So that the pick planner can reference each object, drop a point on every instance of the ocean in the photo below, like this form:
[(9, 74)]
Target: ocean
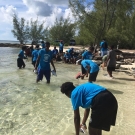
[(12, 42)]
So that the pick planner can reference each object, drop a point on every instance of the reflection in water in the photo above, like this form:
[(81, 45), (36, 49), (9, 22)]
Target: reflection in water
[(27, 108)]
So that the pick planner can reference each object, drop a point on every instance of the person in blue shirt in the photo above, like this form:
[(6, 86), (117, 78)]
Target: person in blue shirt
[(67, 57), (55, 52), (102, 102), (44, 59), (42, 44), (103, 47), (71, 51), (90, 67), (88, 54), (61, 47), (21, 56), (35, 55)]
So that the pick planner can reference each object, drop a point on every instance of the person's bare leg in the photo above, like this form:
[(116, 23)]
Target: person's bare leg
[(37, 80), (94, 131), (48, 81), (87, 74), (110, 73), (103, 66)]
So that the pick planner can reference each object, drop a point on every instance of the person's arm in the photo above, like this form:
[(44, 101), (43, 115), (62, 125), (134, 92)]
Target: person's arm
[(77, 121), (108, 57), (57, 51), (37, 62), (85, 117), (53, 65), (19, 55), (83, 56), (88, 69)]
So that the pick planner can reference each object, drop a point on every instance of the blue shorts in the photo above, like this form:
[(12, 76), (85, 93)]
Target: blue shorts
[(46, 73)]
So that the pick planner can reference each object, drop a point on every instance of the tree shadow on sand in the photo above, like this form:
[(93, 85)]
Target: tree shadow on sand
[(116, 91)]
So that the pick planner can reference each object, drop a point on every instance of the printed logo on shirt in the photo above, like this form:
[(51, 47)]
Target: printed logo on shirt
[(46, 57)]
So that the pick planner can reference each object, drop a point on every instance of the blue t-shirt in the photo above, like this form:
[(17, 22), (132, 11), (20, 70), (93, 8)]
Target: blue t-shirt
[(93, 66), (83, 94), (61, 46), (87, 55), (70, 50), (21, 54), (54, 51), (102, 48), (43, 45), (67, 56), (35, 54), (45, 59)]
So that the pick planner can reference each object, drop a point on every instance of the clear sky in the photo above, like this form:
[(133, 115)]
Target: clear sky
[(46, 10)]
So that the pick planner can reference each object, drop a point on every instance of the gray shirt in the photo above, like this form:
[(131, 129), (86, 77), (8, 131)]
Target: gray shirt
[(112, 59)]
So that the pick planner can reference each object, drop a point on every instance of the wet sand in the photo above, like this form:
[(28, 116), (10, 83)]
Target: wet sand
[(27, 108)]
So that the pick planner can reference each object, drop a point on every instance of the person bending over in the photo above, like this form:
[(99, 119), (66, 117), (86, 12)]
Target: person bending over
[(91, 68), (102, 102)]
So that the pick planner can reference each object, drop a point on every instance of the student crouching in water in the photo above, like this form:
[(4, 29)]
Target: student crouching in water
[(45, 57), (101, 101), (91, 68)]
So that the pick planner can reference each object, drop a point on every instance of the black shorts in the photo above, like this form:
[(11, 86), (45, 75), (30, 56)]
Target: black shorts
[(110, 68), (20, 63), (104, 111), (93, 76), (83, 70)]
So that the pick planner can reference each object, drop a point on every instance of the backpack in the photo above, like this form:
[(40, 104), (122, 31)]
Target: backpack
[(104, 45)]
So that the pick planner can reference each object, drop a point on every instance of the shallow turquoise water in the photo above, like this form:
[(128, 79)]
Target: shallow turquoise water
[(30, 108), (27, 108)]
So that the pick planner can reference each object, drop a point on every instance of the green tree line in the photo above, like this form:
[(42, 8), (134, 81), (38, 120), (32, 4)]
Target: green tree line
[(110, 19)]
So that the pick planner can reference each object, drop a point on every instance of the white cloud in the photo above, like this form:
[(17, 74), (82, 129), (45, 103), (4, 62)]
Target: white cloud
[(45, 10), (38, 7), (56, 2), (6, 13)]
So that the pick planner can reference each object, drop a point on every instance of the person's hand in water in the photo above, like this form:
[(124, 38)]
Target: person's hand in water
[(83, 128)]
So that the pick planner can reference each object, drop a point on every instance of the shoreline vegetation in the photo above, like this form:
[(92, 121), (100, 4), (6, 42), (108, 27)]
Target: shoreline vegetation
[(77, 47)]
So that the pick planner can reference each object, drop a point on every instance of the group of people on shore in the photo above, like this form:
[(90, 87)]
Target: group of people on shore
[(88, 95)]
